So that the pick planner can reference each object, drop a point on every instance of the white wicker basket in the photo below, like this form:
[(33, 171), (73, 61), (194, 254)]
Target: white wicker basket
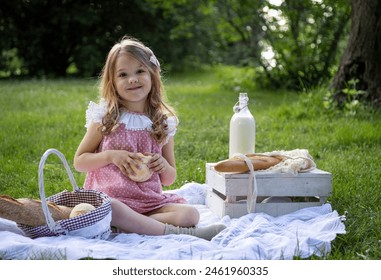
[(95, 224)]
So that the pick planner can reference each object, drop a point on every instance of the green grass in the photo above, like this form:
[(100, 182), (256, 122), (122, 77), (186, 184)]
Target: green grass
[(42, 114)]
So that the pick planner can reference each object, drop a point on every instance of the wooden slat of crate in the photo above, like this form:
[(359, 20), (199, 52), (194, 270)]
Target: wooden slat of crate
[(314, 183), (220, 207), (227, 187)]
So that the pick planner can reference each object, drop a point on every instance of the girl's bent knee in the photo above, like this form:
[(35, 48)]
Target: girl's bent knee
[(191, 217)]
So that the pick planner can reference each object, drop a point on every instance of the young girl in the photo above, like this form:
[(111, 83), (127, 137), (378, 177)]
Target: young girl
[(132, 118)]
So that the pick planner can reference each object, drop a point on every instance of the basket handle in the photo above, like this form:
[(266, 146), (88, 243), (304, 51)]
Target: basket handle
[(48, 216)]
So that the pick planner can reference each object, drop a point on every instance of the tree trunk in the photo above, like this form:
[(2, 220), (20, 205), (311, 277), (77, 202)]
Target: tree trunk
[(361, 60)]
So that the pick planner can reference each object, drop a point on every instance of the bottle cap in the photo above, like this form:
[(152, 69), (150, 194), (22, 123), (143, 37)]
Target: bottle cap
[(242, 99), (243, 95)]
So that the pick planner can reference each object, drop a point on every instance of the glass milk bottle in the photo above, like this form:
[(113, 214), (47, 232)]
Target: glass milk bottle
[(242, 128)]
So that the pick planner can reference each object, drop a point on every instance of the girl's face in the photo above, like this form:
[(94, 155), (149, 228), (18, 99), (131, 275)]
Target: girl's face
[(132, 81)]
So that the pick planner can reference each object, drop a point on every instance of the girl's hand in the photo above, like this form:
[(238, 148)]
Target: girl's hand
[(157, 163), (123, 160)]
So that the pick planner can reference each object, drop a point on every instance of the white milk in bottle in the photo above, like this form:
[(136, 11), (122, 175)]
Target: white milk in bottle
[(242, 128)]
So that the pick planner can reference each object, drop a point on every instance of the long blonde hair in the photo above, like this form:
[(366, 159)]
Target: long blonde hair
[(156, 108)]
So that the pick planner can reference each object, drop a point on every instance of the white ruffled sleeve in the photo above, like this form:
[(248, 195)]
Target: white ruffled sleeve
[(95, 112), (172, 122)]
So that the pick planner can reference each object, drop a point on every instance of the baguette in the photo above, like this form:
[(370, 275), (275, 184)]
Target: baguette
[(238, 165), (29, 211)]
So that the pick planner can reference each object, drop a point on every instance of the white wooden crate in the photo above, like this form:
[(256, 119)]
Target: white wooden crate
[(228, 192)]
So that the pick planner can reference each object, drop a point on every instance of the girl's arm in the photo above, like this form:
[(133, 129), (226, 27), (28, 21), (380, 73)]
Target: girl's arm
[(165, 165), (86, 159)]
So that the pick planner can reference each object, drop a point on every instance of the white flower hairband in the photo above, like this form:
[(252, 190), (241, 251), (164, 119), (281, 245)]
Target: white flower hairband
[(153, 59)]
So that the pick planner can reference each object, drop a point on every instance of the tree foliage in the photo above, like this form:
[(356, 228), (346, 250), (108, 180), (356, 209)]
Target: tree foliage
[(305, 39), (289, 43), (50, 35)]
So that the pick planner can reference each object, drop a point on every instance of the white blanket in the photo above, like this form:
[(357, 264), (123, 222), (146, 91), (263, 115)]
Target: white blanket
[(302, 234)]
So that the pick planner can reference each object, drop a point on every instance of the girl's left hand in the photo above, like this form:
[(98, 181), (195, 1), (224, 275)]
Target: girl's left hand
[(157, 163)]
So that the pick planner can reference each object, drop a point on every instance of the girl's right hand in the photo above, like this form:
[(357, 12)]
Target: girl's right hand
[(123, 160)]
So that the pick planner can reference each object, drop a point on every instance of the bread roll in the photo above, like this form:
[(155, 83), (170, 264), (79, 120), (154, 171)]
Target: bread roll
[(81, 209), (144, 173)]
